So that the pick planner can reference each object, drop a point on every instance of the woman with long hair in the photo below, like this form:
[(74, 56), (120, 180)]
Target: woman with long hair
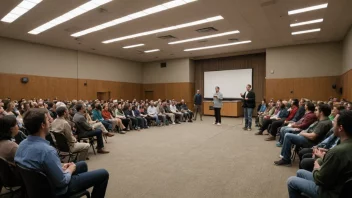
[(8, 130)]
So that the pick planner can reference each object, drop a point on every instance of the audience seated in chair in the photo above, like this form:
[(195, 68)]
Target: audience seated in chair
[(153, 113), (84, 130), (330, 173), (311, 137), (121, 115), (60, 125), (184, 109), (36, 153)]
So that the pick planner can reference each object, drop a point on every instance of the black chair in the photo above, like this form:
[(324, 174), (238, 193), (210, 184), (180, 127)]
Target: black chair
[(50, 139), (63, 147), (37, 185), (9, 176), (347, 189), (89, 140)]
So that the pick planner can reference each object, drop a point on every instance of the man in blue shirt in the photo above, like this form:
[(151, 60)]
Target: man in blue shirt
[(36, 153)]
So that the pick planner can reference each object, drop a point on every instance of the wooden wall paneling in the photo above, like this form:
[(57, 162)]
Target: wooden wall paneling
[(279, 89), (4, 85)]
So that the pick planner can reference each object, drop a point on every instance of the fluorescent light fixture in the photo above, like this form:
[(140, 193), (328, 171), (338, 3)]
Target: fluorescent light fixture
[(216, 46), (90, 5), (164, 29), (317, 7), (306, 22), (205, 37), (306, 31), (153, 50), (132, 46), (148, 11), (19, 10)]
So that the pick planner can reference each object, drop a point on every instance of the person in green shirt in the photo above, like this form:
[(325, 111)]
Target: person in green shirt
[(329, 175), (336, 110)]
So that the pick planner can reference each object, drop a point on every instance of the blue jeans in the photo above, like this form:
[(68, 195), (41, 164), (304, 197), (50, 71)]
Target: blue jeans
[(285, 130), (107, 124), (82, 180), (293, 139), (302, 183), (248, 117)]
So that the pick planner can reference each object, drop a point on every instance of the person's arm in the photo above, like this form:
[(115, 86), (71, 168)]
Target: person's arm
[(326, 175), (310, 136), (84, 124), (68, 133), (251, 96), (220, 97), (310, 119), (53, 168)]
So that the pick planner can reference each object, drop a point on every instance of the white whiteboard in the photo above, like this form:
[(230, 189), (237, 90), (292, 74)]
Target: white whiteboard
[(231, 82)]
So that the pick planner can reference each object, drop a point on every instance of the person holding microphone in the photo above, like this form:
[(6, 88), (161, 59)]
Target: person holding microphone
[(248, 106), (217, 100)]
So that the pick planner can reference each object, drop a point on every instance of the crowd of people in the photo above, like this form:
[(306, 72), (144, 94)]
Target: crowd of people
[(26, 124), (320, 133)]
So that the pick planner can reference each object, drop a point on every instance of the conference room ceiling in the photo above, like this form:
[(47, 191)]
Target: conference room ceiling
[(265, 23)]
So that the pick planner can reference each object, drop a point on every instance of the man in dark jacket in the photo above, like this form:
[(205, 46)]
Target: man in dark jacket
[(198, 105), (248, 106)]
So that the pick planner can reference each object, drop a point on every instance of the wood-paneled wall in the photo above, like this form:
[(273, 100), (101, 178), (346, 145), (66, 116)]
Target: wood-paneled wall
[(64, 88), (315, 88), (177, 91)]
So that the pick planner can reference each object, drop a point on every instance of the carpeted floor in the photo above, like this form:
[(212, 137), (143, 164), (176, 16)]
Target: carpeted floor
[(193, 160)]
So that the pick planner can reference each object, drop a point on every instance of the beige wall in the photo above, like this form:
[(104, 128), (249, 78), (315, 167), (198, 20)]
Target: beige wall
[(299, 61), (347, 52), (176, 71), (191, 70), (19, 57)]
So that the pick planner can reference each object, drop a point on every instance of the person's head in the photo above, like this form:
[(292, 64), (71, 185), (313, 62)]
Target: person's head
[(89, 108), (336, 110), (248, 87), (8, 127), (36, 122), (349, 107), (302, 102), (61, 111), (282, 106), (106, 107), (263, 101), (119, 106), (9, 106), (182, 101), (26, 106), (98, 106), (295, 102), (343, 125), (322, 111), (198, 92), (310, 107), (80, 108), (217, 88), (278, 103)]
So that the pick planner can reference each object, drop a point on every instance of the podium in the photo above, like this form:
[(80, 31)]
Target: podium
[(229, 108)]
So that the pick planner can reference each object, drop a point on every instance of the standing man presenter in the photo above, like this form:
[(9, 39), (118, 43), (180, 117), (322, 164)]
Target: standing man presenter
[(248, 106), (198, 105), (217, 100)]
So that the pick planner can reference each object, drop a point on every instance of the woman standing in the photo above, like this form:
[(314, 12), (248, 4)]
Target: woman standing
[(217, 100)]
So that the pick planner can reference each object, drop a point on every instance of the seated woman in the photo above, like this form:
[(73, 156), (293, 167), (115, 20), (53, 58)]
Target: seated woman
[(8, 130), (95, 124), (261, 110), (120, 114), (115, 121), (96, 115)]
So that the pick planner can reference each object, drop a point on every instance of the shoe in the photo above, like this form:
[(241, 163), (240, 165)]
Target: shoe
[(218, 123), (102, 151), (109, 134), (244, 128), (282, 162), (270, 138), (278, 144), (259, 133), (201, 119), (122, 132), (214, 123), (249, 129), (173, 123), (190, 121), (280, 156)]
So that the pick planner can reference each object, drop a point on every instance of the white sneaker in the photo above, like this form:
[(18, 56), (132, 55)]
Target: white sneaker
[(173, 123), (214, 123), (281, 156), (218, 124)]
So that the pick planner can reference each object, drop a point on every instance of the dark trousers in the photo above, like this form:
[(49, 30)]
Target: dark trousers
[(217, 113), (141, 122), (307, 162), (107, 124), (82, 180), (303, 152), (125, 122), (97, 133), (266, 123), (198, 109), (275, 125)]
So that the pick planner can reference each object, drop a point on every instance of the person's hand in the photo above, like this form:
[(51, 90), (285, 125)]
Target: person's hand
[(241, 94), (318, 153), (72, 167), (215, 96), (323, 150), (65, 166), (316, 165), (246, 98)]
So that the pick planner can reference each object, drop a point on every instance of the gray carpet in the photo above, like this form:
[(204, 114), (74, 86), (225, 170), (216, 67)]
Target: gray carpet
[(193, 160)]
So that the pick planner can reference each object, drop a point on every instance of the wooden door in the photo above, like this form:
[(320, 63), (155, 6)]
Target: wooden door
[(103, 96), (149, 95)]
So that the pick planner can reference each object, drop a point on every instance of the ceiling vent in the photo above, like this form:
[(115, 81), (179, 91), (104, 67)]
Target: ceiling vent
[(202, 41), (167, 37), (206, 30), (233, 39)]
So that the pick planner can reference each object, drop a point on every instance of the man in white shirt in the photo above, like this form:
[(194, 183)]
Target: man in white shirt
[(152, 112), (174, 110)]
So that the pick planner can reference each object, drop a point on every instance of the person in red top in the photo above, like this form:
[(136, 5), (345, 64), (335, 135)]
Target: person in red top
[(276, 124), (107, 116)]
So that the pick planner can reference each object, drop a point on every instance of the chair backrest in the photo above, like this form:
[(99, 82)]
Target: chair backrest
[(50, 139), (36, 183), (9, 176), (347, 189), (61, 142)]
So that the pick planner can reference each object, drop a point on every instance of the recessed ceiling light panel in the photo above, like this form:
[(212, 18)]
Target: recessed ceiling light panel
[(306, 22), (306, 31), (216, 46), (307, 9), (19, 10), (205, 37)]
